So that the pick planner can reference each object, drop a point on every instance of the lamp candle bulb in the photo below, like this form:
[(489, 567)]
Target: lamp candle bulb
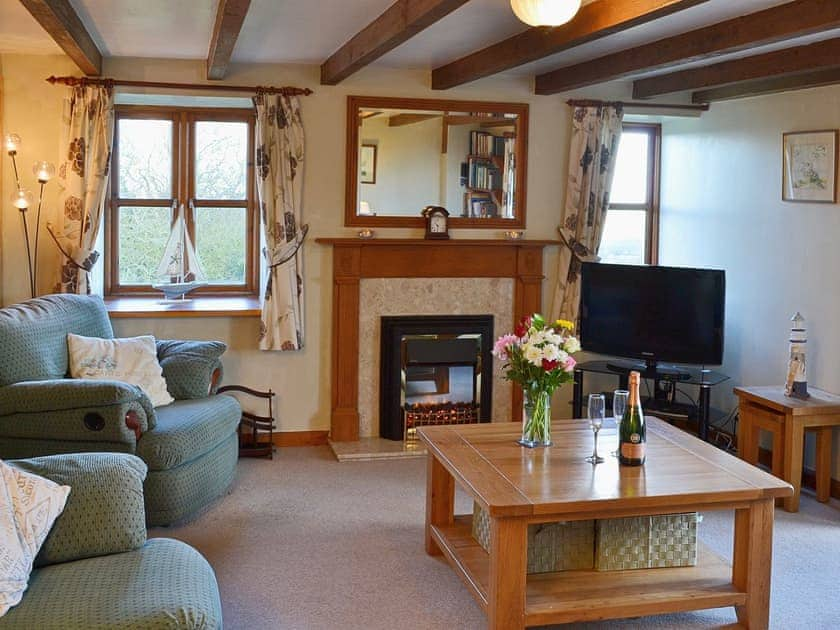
[(44, 171), (22, 199), (12, 142)]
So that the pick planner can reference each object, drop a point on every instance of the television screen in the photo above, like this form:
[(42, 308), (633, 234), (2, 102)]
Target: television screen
[(653, 313)]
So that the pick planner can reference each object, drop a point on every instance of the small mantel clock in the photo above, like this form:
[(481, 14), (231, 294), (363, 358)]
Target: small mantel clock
[(437, 222)]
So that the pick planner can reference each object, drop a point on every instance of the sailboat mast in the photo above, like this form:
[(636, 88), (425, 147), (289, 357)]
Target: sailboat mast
[(182, 245)]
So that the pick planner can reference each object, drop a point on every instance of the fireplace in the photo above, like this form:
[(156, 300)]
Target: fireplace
[(434, 369)]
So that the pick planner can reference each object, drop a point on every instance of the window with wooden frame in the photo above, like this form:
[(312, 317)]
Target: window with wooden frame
[(201, 158), (631, 229)]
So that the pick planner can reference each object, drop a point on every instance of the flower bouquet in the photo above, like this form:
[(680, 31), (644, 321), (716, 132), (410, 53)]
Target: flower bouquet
[(538, 357)]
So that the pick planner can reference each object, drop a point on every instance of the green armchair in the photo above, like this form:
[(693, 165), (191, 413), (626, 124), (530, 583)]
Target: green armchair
[(190, 446), (98, 570)]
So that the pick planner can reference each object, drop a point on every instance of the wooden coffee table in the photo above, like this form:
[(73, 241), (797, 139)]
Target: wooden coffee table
[(519, 486)]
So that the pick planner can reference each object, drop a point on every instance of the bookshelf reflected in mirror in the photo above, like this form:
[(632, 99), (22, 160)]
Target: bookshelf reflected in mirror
[(467, 156)]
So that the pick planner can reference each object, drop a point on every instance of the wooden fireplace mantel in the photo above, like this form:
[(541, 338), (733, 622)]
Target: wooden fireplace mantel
[(354, 259)]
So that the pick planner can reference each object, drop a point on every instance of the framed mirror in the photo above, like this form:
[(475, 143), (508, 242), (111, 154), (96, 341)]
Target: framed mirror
[(404, 154)]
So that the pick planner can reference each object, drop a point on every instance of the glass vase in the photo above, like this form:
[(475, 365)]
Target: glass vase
[(536, 419)]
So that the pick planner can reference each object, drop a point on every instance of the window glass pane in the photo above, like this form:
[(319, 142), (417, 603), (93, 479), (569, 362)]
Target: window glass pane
[(142, 240), (623, 240), (220, 239), (145, 159), (630, 182), (221, 158)]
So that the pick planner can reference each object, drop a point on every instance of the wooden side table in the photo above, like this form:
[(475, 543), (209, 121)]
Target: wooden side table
[(787, 419)]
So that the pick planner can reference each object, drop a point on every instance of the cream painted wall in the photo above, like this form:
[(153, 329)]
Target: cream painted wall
[(407, 166), (31, 109), (721, 208), (301, 379)]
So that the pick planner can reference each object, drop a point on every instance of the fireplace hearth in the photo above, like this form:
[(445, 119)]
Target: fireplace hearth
[(434, 370)]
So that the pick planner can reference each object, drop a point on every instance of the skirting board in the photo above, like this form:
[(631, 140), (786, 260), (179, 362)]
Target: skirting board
[(300, 438), (809, 478)]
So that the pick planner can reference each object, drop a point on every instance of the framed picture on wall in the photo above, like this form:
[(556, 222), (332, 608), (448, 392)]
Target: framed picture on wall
[(809, 166), (367, 164)]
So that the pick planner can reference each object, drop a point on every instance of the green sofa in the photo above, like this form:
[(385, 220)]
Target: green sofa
[(190, 446), (96, 570)]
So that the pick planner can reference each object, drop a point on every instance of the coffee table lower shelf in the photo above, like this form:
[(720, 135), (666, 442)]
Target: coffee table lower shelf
[(591, 595)]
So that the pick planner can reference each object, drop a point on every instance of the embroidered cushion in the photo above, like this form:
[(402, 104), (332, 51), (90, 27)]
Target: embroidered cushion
[(29, 505), (131, 360)]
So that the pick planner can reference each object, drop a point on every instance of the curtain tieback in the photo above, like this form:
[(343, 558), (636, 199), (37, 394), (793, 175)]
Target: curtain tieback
[(285, 251), (82, 258), (579, 250)]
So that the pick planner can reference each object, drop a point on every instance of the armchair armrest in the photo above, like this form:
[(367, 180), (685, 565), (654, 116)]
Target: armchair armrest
[(192, 369), (75, 410)]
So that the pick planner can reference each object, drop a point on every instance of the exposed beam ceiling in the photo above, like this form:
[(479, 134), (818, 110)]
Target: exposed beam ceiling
[(230, 14), (399, 23), (400, 120), (773, 85), (822, 55), (595, 20), (783, 22), (60, 20)]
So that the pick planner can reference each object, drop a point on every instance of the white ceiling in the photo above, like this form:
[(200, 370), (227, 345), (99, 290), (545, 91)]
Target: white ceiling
[(308, 31)]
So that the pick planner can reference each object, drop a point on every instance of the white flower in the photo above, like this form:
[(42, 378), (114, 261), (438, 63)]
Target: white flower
[(553, 337), (551, 352), (533, 354), (572, 345)]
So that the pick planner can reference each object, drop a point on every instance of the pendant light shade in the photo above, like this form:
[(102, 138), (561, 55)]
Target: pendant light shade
[(545, 12)]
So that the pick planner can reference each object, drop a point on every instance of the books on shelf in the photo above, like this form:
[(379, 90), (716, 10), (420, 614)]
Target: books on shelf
[(485, 144), (481, 173), (479, 205)]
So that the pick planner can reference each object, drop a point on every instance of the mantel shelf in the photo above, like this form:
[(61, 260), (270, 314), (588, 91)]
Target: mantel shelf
[(452, 242)]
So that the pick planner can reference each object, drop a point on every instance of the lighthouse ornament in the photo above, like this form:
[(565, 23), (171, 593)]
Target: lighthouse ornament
[(796, 385)]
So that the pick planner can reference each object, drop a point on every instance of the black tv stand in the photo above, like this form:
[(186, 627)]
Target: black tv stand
[(664, 388), (650, 369)]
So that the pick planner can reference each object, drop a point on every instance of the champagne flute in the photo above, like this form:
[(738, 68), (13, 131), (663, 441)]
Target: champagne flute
[(619, 406), (595, 411)]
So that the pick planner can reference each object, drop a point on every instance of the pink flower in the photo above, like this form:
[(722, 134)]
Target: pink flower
[(569, 365), (500, 349)]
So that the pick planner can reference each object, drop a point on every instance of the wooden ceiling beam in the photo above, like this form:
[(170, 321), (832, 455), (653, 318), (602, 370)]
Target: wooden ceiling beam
[(401, 120), (788, 61), (593, 21), (230, 15), (399, 23), (779, 23), (61, 21), (773, 85)]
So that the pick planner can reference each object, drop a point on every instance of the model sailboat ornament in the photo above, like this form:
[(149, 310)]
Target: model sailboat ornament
[(180, 270)]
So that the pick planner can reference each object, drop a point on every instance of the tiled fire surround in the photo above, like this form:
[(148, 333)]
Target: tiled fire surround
[(427, 296), (356, 261)]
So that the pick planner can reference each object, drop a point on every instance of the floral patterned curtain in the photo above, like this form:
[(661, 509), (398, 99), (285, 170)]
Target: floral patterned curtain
[(596, 131), (86, 140), (280, 152)]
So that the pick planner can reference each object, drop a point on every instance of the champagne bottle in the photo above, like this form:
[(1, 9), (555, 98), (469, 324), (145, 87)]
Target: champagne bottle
[(632, 441)]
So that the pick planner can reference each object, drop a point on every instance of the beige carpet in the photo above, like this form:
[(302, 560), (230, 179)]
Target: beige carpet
[(305, 542)]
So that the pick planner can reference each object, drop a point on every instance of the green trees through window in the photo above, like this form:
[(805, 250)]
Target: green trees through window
[(171, 156)]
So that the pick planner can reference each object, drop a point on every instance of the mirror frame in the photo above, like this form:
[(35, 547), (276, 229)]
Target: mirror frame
[(351, 188)]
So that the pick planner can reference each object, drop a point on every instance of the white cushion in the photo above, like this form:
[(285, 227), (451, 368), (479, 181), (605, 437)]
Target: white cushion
[(29, 505), (131, 360)]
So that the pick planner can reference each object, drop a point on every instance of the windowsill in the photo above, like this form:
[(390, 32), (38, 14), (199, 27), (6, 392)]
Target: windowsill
[(124, 307)]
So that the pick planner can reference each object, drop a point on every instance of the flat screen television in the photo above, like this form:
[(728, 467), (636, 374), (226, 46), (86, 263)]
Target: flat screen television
[(653, 314)]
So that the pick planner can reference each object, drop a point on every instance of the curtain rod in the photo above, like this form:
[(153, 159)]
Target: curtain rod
[(110, 83), (594, 103)]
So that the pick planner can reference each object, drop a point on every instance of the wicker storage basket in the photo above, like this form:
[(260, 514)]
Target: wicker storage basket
[(551, 546), (644, 542)]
